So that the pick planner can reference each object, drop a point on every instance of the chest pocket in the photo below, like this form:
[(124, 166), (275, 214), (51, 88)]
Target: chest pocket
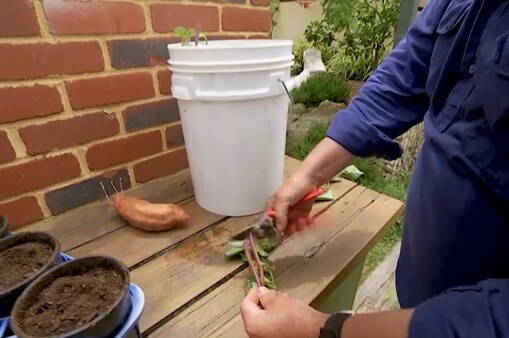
[(487, 142), (440, 81)]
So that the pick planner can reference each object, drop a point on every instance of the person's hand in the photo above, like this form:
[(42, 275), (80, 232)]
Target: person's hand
[(268, 314), (291, 192)]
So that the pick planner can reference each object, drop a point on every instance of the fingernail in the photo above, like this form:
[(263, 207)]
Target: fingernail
[(263, 290)]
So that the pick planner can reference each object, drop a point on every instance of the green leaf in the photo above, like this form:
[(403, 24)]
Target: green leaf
[(243, 257), (261, 252), (234, 248), (268, 265), (251, 282), (326, 196), (191, 32), (180, 31), (270, 281), (352, 173), (268, 244)]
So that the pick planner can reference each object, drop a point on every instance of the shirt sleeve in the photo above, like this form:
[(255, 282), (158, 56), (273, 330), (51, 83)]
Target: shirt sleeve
[(467, 312), (394, 98)]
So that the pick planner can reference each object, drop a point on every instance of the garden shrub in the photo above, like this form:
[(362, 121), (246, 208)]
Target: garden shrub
[(354, 35), (321, 87)]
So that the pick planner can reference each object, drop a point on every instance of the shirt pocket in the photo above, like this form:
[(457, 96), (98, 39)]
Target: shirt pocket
[(492, 80), (453, 16), (444, 63)]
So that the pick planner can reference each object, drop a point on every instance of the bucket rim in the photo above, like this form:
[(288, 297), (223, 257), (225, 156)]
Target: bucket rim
[(182, 63), (233, 44)]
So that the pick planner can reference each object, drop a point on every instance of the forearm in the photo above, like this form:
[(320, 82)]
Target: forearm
[(326, 160), (391, 324)]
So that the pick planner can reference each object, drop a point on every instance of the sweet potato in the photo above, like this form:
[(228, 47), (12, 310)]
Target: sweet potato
[(145, 215)]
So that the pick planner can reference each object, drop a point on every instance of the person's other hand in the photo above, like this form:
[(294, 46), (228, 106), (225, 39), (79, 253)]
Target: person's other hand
[(292, 191), (268, 314)]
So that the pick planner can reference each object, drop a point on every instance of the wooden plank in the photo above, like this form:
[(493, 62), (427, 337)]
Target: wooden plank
[(175, 278), (133, 246), (306, 265), (97, 219)]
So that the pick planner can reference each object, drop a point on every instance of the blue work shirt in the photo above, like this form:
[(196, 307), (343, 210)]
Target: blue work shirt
[(452, 72)]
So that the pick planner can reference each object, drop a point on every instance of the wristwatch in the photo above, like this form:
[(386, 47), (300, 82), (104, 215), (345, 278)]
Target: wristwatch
[(334, 324)]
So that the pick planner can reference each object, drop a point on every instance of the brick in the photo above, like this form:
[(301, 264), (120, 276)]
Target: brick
[(36, 60), (165, 17), (107, 154), (37, 174), (85, 18), (240, 2), (7, 153), (61, 134), (76, 195), (160, 166), (245, 19), (18, 18), (164, 80), (20, 103), (111, 89), (260, 2), (174, 136), (151, 114), (138, 53), (22, 211)]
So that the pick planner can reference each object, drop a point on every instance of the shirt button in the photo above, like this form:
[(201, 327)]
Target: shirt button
[(472, 69)]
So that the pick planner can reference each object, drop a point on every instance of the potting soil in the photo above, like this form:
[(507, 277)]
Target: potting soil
[(21, 262), (71, 302)]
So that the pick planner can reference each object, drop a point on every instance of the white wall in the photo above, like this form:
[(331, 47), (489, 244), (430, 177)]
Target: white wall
[(292, 20)]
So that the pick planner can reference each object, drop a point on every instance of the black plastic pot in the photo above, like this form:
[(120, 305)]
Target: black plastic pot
[(4, 226), (8, 297), (104, 325)]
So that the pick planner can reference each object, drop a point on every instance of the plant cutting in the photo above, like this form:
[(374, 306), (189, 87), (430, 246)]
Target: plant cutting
[(186, 34), (86, 297), (256, 254), (24, 257)]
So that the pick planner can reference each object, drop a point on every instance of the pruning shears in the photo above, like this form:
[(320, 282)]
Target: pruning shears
[(266, 225)]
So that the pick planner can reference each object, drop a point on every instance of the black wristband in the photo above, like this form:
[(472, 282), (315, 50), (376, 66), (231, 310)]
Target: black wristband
[(334, 324)]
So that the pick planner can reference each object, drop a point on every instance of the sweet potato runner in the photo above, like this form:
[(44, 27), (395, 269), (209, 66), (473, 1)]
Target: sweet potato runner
[(193, 290)]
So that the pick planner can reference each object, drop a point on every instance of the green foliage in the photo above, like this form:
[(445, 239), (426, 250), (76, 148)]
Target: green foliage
[(367, 39), (321, 87), (298, 51), (264, 246), (338, 13), (320, 34), (314, 135), (354, 36), (187, 34), (351, 66), (273, 8)]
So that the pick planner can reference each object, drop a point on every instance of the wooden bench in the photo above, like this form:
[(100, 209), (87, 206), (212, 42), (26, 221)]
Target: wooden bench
[(192, 289)]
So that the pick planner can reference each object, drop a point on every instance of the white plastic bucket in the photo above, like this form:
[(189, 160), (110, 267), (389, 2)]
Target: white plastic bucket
[(233, 107)]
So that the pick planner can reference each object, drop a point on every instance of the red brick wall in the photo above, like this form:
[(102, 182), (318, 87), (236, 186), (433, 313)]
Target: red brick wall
[(85, 95)]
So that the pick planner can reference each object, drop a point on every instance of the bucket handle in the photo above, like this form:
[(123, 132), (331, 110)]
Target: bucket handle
[(183, 87)]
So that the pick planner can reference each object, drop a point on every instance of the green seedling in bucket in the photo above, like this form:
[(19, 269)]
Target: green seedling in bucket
[(187, 34)]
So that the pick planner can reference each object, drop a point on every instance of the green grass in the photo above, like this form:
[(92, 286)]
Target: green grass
[(312, 138), (321, 87), (375, 178)]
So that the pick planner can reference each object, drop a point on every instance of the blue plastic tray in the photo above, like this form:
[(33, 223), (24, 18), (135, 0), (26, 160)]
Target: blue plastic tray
[(130, 328)]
